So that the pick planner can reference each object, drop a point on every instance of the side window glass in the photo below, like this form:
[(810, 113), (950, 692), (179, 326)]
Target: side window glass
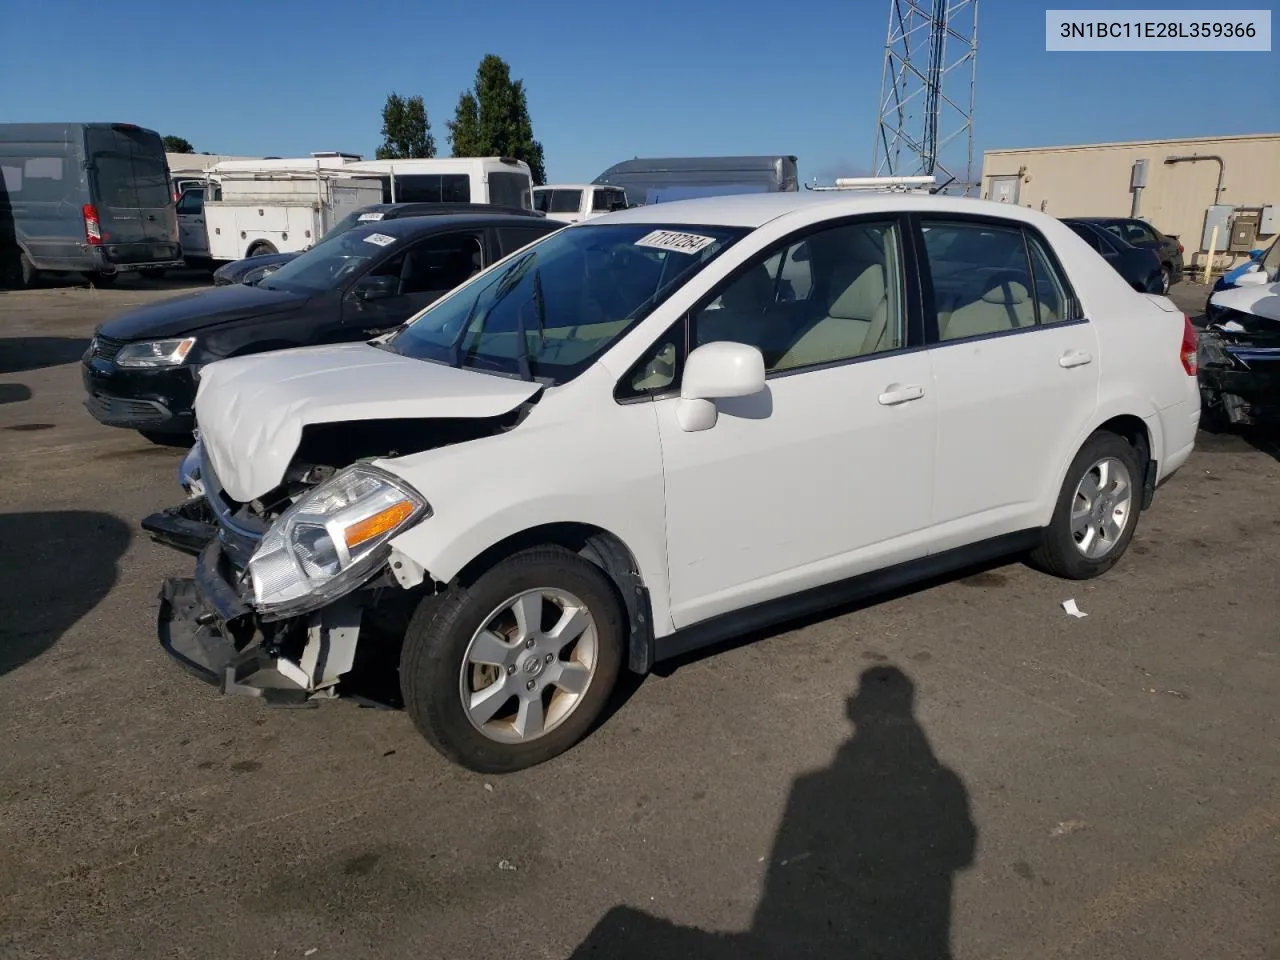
[(1087, 235), (1053, 301), (981, 279), (833, 296), (658, 369), (434, 266), (600, 201)]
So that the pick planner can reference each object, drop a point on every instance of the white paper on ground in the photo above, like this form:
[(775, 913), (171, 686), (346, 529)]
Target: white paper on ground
[(1072, 609)]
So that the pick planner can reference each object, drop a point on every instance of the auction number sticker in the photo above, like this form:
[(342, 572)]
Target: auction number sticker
[(381, 239), (675, 241), (370, 216), (1115, 31)]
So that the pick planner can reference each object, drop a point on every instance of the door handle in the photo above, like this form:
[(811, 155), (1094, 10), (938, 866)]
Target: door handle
[(896, 393), (1075, 358)]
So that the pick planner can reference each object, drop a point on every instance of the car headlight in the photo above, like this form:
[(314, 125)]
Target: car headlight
[(331, 539), (155, 353)]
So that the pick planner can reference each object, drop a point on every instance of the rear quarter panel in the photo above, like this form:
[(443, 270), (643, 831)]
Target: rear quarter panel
[(1139, 344)]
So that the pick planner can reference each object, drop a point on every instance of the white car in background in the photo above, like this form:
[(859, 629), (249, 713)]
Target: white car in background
[(661, 428), (572, 202)]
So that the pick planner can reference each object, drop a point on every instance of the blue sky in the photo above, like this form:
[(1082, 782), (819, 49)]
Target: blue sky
[(606, 82)]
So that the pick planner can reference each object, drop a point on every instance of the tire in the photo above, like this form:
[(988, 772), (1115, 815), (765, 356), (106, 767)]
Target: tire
[(440, 634), (1166, 278), (102, 279), (28, 275), (1060, 554), (261, 249)]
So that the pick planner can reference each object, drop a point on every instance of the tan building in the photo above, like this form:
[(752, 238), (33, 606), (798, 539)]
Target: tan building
[(1097, 180)]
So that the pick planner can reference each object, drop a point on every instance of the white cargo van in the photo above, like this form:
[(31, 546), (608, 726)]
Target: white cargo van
[(571, 202), (501, 181)]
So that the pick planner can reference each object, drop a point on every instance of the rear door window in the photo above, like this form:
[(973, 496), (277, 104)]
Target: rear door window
[(129, 168), (509, 190)]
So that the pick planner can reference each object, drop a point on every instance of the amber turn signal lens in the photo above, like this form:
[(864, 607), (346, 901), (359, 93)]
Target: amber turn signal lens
[(379, 523)]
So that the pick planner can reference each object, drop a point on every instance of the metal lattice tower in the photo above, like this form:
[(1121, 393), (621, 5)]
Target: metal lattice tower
[(925, 124)]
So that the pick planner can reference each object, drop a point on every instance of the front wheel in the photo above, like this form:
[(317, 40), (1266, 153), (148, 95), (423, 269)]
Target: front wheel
[(1097, 511), (515, 668), (1166, 280)]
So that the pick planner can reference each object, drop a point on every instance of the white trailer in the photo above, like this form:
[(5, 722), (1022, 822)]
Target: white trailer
[(268, 206)]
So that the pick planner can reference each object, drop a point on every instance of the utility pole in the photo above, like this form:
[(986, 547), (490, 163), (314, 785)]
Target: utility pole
[(925, 123)]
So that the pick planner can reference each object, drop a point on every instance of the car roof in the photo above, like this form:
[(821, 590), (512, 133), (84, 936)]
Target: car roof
[(409, 226), (756, 209), (410, 208)]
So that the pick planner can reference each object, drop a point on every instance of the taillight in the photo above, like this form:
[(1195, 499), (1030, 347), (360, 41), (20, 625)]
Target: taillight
[(1190, 343), (92, 227)]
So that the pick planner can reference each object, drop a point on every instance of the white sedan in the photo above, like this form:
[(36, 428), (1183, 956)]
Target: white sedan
[(659, 428)]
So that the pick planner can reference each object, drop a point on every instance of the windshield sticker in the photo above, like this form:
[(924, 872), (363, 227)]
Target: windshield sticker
[(369, 216), (381, 239), (674, 241)]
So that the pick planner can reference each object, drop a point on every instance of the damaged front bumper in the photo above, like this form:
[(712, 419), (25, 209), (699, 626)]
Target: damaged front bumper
[(1240, 376), (206, 625)]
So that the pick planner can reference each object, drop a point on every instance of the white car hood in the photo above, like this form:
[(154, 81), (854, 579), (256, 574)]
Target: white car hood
[(251, 410), (1260, 300)]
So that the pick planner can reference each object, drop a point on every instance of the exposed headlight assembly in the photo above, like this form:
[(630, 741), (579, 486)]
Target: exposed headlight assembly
[(155, 353), (331, 540)]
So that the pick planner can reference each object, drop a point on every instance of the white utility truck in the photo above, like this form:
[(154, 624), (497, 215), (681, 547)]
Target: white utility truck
[(275, 206)]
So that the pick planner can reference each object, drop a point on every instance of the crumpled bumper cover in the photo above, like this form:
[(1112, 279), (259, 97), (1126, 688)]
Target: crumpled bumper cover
[(204, 625)]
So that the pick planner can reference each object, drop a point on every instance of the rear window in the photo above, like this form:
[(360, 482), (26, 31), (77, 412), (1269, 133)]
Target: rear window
[(565, 201), (541, 200), (129, 168), (509, 190), (432, 188)]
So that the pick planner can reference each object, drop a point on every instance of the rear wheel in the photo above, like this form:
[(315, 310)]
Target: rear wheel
[(514, 669), (1166, 278), (1097, 510), (261, 248)]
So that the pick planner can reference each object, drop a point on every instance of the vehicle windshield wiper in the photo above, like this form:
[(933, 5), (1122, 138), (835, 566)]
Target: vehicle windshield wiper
[(508, 283), (541, 304)]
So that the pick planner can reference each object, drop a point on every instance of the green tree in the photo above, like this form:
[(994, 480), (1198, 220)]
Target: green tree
[(464, 128), (406, 131), (177, 145), (492, 119)]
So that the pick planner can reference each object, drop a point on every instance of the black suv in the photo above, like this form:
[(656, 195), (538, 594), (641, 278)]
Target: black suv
[(1139, 233), (252, 269), (141, 369)]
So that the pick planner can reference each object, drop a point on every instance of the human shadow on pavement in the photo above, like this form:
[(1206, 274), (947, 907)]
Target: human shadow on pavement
[(31, 353), (54, 569), (864, 860)]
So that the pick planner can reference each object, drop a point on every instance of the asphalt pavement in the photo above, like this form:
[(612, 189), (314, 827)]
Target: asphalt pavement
[(962, 762)]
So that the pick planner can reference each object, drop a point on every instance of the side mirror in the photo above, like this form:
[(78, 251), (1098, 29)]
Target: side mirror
[(375, 288), (717, 371)]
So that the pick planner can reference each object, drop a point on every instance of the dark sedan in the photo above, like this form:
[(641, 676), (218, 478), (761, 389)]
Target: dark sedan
[(1138, 265), (1139, 233), (253, 269), (141, 368)]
